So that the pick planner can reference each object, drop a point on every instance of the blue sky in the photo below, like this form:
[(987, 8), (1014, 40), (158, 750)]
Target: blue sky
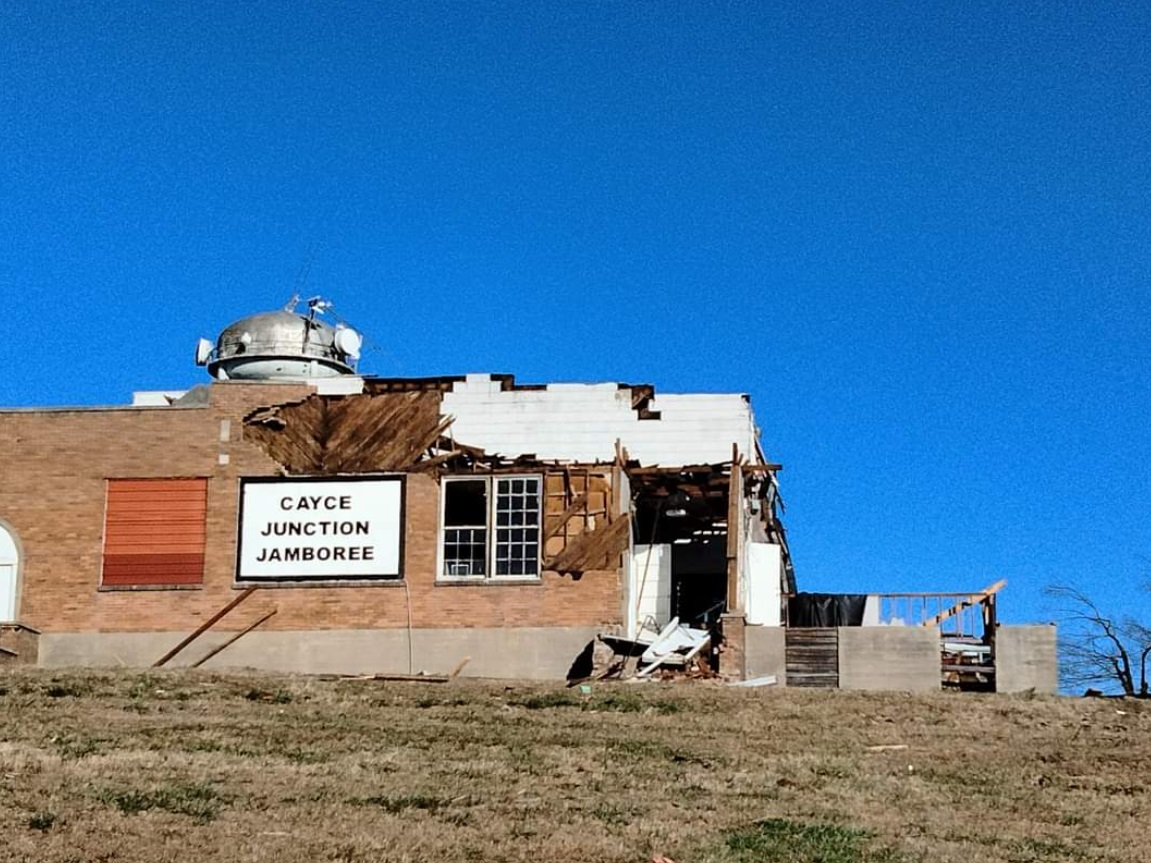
[(917, 235)]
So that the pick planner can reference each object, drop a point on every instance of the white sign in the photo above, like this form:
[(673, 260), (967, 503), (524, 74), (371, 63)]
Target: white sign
[(320, 529)]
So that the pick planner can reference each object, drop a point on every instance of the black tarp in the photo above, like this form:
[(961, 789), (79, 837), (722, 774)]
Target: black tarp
[(826, 609)]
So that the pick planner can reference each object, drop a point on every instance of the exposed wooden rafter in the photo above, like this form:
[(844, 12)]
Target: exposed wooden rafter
[(352, 434), (595, 549)]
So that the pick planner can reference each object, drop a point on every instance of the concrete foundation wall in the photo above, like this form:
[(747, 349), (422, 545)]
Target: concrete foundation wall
[(523, 653), (21, 644), (765, 652), (903, 658), (1026, 658)]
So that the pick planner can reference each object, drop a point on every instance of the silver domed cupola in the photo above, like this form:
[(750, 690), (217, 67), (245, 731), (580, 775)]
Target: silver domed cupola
[(282, 345)]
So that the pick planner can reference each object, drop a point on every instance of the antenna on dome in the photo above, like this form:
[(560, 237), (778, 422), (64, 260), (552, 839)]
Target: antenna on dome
[(317, 306), (292, 303), (305, 271)]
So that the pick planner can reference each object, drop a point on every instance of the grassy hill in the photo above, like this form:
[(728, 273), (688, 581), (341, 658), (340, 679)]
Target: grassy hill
[(133, 766)]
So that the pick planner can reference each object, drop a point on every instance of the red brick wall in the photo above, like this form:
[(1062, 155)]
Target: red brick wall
[(52, 487)]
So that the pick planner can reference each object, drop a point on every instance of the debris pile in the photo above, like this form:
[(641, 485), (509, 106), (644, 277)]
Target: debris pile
[(677, 648)]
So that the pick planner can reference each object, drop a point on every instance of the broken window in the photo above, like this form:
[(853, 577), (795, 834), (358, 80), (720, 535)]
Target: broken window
[(465, 526), (491, 526)]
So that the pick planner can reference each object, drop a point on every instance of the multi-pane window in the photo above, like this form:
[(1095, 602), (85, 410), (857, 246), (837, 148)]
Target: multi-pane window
[(491, 526), (465, 526)]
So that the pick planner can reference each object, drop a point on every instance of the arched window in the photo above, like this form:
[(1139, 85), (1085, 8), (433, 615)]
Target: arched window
[(9, 570)]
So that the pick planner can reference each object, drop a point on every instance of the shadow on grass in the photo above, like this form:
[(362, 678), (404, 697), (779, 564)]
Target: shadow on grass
[(612, 703), (201, 802), (453, 811), (785, 841)]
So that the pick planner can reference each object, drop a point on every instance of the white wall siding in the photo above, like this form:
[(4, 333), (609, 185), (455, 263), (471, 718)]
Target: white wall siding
[(762, 580), (155, 398), (581, 422), (649, 575)]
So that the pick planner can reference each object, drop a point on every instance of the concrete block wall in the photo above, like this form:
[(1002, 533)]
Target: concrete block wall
[(1026, 657), (888, 658), (895, 658), (765, 652)]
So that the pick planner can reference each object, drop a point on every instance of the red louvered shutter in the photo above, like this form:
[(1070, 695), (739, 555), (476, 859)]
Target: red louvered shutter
[(154, 532)]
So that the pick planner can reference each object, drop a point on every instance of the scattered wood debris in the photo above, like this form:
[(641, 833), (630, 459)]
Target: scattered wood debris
[(222, 647), (677, 646), (459, 666), (204, 627), (390, 678)]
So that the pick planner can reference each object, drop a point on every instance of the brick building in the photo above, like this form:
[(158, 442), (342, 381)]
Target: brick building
[(353, 524), (392, 525)]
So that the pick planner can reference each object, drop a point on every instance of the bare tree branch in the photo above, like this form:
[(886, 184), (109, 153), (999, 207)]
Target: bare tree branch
[(1098, 649)]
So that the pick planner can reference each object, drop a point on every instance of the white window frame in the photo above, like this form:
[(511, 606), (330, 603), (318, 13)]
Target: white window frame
[(491, 528), (10, 557)]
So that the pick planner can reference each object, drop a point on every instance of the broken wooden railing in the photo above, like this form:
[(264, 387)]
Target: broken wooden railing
[(958, 615)]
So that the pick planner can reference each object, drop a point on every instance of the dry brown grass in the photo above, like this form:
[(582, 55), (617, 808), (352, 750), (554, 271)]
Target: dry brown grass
[(134, 766)]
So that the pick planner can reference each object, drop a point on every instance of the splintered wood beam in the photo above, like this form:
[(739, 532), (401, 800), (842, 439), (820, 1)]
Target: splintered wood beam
[(678, 470), (587, 495), (974, 599), (566, 516), (221, 648), (437, 460), (764, 467), (734, 529), (592, 550), (205, 626), (569, 494)]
